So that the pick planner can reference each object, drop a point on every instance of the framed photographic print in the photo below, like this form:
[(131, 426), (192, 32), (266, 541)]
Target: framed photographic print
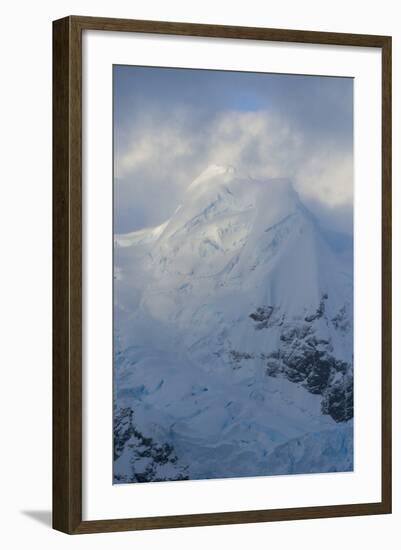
[(222, 274)]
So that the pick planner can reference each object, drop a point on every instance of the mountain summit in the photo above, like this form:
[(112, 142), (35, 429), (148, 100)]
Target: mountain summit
[(233, 331)]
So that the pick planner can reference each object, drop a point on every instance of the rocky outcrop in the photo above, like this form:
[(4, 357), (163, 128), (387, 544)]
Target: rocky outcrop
[(140, 459), (303, 357)]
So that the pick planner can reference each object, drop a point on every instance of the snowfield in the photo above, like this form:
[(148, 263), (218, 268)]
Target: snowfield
[(233, 336)]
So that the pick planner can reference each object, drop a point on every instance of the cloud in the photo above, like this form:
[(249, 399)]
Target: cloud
[(165, 151), (327, 178), (160, 144)]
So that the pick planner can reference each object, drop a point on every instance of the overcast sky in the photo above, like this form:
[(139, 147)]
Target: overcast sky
[(170, 124)]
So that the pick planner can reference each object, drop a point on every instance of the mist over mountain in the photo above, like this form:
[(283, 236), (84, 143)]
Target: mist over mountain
[(233, 337)]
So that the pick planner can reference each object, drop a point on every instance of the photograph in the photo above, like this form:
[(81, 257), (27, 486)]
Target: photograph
[(233, 201)]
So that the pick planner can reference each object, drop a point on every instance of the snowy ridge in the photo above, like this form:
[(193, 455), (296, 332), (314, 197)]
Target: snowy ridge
[(233, 333)]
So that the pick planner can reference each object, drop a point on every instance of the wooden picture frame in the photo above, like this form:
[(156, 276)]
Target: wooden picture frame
[(67, 274)]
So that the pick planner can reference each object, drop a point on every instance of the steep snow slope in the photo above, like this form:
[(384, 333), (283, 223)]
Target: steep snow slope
[(233, 333)]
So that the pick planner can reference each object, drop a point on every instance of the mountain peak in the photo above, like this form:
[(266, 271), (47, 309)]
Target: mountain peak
[(216, 175), (213, 174)]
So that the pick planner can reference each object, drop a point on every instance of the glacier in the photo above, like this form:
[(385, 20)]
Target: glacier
[(233, 338)]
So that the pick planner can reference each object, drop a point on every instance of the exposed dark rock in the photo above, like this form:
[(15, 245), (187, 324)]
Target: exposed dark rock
[(262, 314), (319, 372), (265, 317), (303, 358), (341, 321), (319, 312), (235, 358), (319, 376), (338, 400), (147, 456), (122, 431)]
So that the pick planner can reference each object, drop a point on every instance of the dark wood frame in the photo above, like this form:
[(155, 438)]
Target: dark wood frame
[(67, 278)]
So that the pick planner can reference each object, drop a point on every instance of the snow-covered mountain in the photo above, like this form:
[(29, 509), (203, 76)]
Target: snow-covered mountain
[(233, 337)]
